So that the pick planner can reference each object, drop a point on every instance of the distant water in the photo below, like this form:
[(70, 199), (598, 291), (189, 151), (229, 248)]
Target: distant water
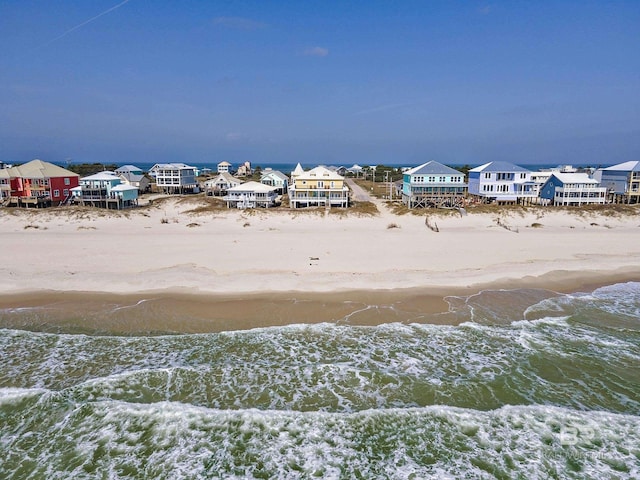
[(287, 168), (553, 392)]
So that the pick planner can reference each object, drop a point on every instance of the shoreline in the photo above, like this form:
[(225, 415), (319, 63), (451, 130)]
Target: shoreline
[(176, 311), (183, 268)]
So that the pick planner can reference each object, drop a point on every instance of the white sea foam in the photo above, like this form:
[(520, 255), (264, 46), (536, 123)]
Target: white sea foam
[(170, 440)]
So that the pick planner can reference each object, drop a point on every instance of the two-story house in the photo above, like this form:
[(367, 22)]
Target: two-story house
[(37, 183), (275, 178), (501, 182), (175, 177), (622, 181), (105, 190), (572, 189), (319, 187), (251, 195), (433, 184)]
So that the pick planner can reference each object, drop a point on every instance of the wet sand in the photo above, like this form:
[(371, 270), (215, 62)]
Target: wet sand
[(162, 312)]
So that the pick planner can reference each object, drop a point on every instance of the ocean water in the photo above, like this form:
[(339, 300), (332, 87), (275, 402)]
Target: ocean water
[(529, 385)]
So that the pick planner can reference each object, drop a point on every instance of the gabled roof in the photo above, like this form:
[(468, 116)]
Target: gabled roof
[(106, 175), (227, 176), (122, 188), (131, 177), (574, 178), (252, 187), (631, 166), (432, 168), (499, 167), (127, 169), (298, 170), (274, 173), (320, 173), (40, 169)]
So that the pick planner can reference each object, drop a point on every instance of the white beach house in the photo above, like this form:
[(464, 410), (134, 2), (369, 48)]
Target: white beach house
[(251, 195), (221, 183), (501, 182)]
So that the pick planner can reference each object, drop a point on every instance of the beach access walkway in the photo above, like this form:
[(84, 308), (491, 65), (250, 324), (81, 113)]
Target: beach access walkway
[(359, 193)]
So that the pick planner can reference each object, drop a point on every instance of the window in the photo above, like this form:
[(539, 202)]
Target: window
[(487, 175), (67, 181), (65, 192), (56, 193)]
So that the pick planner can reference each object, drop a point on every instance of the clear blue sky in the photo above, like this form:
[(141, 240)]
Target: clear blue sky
[(320, 81)]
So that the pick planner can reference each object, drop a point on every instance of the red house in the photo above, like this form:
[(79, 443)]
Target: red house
[(39, 184)]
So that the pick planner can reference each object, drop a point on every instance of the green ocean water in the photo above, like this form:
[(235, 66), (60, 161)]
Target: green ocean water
[(553, 392)]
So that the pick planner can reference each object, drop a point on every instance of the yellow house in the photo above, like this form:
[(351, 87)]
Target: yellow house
[(319, 187)]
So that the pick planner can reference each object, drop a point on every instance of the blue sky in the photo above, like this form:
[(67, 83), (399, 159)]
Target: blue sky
[(366, 82)]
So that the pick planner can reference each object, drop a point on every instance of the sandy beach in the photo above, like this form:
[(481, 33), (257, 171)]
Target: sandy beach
[(247, 265)]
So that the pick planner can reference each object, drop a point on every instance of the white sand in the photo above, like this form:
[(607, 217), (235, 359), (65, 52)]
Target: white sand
[(258, 251)]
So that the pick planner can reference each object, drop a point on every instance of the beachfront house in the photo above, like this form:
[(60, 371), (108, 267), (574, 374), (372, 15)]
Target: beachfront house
[(275, 178), (134, 176), (433, 184), (622, 181), (501, 182), (220, 184), (319, 187), (36, 184), (105, 190), (224, 167), (175, 177), (251, 195), (572, 189)]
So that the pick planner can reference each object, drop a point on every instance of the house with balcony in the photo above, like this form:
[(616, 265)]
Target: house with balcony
[(105, 190), (433, 184), (275, 178), (175, 177), (251, 195), (501, 182), (622, 182), (220, 184), (319, 187), (572, 189), (224, 167), (36, 184)]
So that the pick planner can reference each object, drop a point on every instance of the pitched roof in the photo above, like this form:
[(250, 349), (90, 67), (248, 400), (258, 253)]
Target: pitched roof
[(631, 166), (253, 187), (274, 173), (574, 178), (320, 173), (127, 169), (432, 168), (40, 169), (298, 170), (499, 167), (106, 175)]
